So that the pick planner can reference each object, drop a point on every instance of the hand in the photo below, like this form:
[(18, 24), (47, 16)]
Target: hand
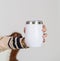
[(44, 34)]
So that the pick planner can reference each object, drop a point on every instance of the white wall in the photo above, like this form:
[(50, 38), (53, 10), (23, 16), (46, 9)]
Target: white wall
[(14, 13)]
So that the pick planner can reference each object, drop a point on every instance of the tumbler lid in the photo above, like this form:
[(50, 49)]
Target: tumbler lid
[(34, 22)]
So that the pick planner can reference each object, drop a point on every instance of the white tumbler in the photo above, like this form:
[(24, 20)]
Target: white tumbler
[(33, 33)]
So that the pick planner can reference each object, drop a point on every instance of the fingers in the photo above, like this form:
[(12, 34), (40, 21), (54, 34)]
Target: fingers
[(43, 40), (44, 28), (44, 34)]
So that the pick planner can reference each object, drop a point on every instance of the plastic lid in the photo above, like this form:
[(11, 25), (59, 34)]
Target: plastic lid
[(34, 22)]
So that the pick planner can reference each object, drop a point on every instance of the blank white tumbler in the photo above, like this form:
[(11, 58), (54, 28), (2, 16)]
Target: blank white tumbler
[(33, 34)]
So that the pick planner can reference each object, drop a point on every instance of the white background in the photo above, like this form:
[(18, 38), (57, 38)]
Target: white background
[(13, 15)]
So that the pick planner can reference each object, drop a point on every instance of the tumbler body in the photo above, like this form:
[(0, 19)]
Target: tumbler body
[(33, 34)]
